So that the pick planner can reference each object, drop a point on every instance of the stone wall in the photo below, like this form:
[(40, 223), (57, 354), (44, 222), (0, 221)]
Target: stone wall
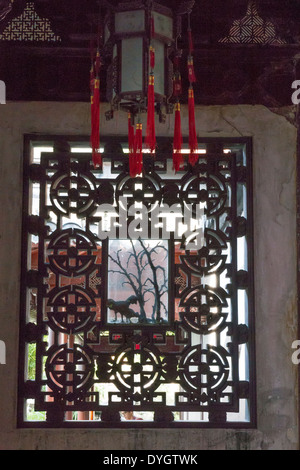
[(274, 167)]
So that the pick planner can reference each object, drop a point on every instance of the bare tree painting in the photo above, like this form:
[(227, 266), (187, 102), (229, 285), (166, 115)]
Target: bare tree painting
[(138, 281)]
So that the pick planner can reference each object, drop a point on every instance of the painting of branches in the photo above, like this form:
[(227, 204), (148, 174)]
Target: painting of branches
[(138, 281)]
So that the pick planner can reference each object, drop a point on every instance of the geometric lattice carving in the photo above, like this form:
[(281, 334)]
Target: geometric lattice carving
[(29, 27), (127, 314), (252, 29)]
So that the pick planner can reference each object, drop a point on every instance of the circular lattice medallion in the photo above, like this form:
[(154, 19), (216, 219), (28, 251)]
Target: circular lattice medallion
[(69, 370), (144, 190), (204, 369), (73, 194), (71, 309), (210, 190), (137, 369), (72, 252), (203, 309)]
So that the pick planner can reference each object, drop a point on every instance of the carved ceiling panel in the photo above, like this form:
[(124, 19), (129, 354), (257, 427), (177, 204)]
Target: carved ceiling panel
[(244, 53)]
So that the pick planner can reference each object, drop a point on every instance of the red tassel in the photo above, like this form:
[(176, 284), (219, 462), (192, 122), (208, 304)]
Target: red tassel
[(152, 27), (136, 152), (97, 63), (95, 124), (177, 142), (176, 62), (130, 134), (150, 140), (139, 148), (132, 165), (193, 144), (137, 157), (95, 110), (191, 45), (92, 81), (177, 84), (131, 146), (191, 70), (152, 57)]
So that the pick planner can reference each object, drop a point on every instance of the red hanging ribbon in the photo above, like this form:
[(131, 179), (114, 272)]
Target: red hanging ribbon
[(177, 141), (177, 84), (152, 57), (152, 50), (138, 149), (130, 134), (152, 31), (92, 81), (191, 70), (150, 139), (135, 149), (177, 91), (131, 146), (176, 61), (193, 143), (97, 63), (190, 38), (191, 45), (95, 124), (95, 112)]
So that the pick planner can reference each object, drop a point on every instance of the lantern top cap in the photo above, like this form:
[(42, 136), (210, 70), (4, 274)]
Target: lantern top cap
[(149, 5)]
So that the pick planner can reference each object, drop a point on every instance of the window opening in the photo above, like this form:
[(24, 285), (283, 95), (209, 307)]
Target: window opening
[(137, 293)]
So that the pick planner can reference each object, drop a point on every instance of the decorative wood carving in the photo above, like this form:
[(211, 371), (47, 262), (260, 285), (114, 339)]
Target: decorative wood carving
[(244, 56), (154, 324)]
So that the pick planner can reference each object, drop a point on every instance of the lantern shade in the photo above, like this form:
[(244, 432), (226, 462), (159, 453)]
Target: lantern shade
[(163, 25), (132, 21), (132, 70), (128, 35)]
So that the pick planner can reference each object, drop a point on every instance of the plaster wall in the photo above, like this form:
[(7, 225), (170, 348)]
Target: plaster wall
[(274, 167)]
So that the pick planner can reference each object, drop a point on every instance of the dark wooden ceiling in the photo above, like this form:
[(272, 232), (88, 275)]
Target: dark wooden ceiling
[(235, 63)]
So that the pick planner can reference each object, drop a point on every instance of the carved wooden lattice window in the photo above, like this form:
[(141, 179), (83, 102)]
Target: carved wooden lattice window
[(131, 309)]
